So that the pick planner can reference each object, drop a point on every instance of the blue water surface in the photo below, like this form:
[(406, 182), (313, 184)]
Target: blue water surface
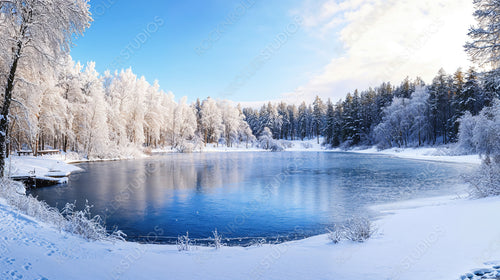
[(250, 195)]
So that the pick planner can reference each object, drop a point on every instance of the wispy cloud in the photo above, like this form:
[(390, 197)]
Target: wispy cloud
[(385, 40), (329, 14)]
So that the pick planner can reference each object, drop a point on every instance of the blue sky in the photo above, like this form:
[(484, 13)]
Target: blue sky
[(188, 59), (338, 47)]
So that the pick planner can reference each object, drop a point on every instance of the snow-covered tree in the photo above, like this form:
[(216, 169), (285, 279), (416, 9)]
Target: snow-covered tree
[(184, 124), (267, 142), (34, 33), (211, 120), (252, 119), (231, 119), (486, 134), (418, 111), (245, 133), (92, 121), (135, 121), (405, 121), (122, 95), (466, 144), (329, 130), (351, 128), (484, 47), (52, 114), (28, 114), (318, 116), (116, 120), (168, 106), (68, 86), (292, 115), (491, 87), (153, 120), (470, 98), (440, 101), (302, 121), (394, 127), (481, 134)]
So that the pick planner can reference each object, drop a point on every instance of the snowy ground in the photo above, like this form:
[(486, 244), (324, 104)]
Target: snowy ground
[(429, 153), (437, 238), (439, 241), (41, 166)]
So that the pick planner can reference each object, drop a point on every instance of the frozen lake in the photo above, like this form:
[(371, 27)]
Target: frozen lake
[(248, 195)]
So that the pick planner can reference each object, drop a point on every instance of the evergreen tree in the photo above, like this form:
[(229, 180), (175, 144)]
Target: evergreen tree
[(293, 113), (439, 101), (318, 117), (484, 47), (329, 123), (470, 98), (302, 121)]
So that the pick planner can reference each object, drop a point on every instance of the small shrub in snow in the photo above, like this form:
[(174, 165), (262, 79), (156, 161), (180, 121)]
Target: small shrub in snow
[(76, 222), (355, 229), (336, 235), (358, 229), (83, 224), (183, 242), (217, 240), (486, 181)]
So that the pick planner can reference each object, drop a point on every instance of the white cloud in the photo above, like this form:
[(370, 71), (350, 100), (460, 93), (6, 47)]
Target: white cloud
[(387, 40)]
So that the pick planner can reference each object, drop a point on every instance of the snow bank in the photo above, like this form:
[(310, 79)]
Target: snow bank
[(42, 166), (430, 153)]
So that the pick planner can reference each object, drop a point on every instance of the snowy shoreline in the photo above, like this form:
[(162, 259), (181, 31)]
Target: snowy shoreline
[(438, 153), (440, 238)]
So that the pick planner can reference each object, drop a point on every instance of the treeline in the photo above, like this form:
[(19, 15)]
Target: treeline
[(411, 114), (74, 108)]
